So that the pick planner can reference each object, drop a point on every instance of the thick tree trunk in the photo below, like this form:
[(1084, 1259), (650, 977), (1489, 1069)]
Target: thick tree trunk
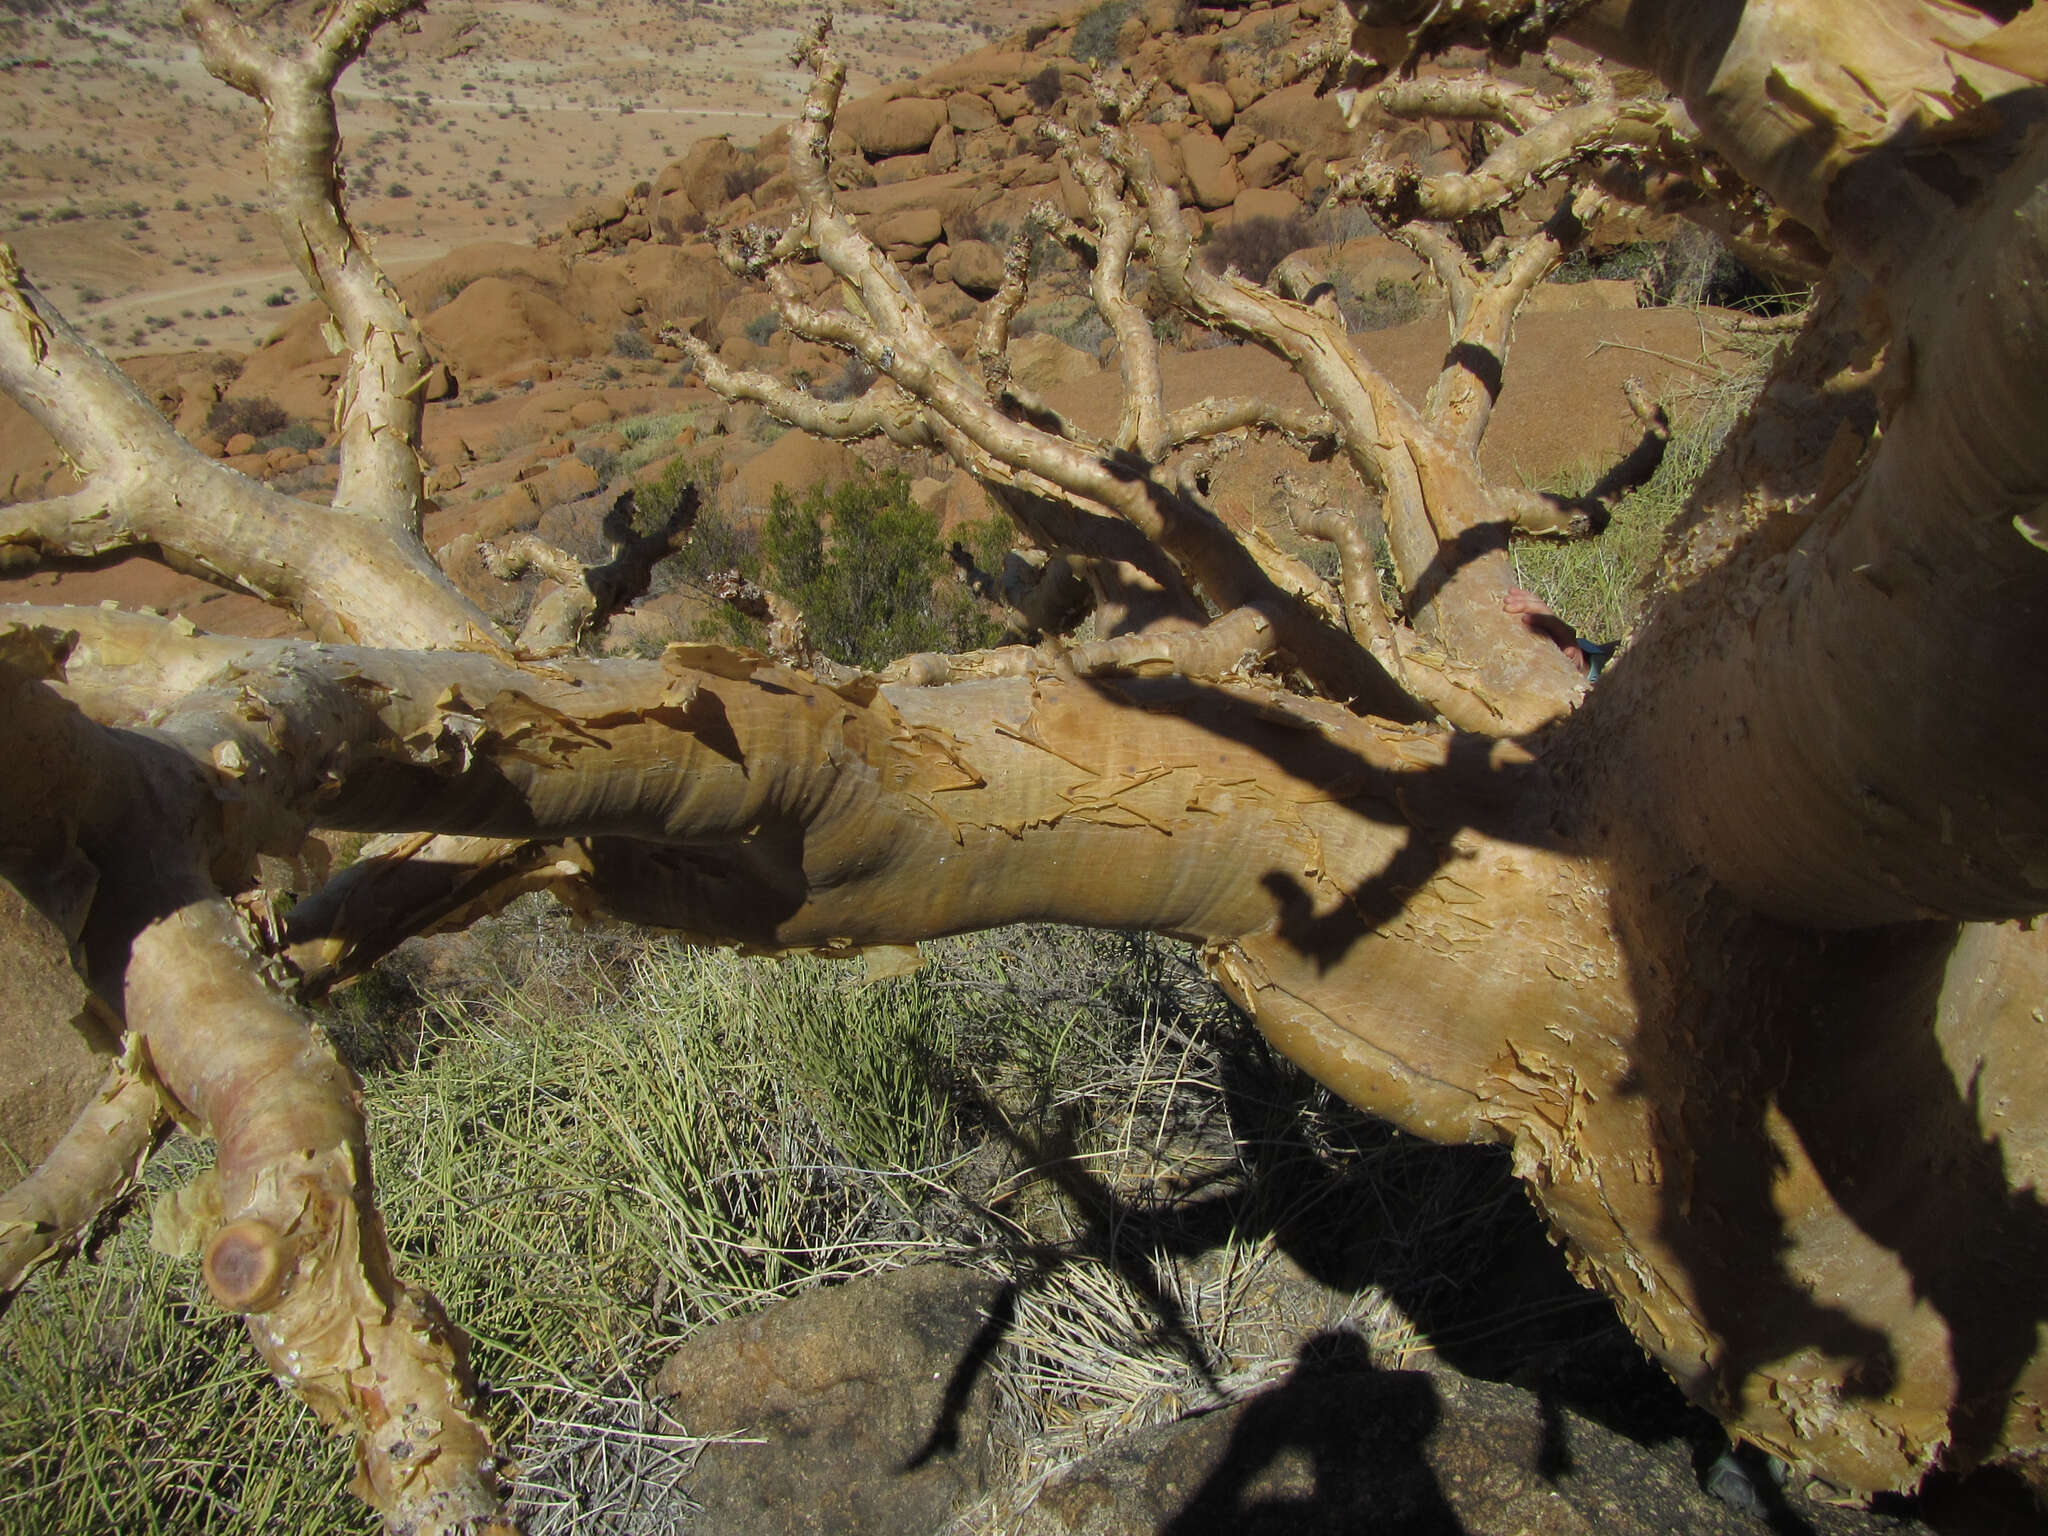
[(1820, 756), (1725, 957)]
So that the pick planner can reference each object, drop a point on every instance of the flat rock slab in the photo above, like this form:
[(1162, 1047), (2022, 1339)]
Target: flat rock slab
[(868, 1402), (53, 1035), (1402, 1453)]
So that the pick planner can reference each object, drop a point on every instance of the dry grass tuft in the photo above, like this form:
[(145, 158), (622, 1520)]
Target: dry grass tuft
[(591, 1146)]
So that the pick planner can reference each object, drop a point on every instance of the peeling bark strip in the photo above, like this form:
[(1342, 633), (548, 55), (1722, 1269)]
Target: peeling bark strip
[(1679, 946)]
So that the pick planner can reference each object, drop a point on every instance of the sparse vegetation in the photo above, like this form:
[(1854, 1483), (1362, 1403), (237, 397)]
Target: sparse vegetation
[(257, 416), (716, 1134), (1095, 37), (1256, 246), (1388, 303), (301, 436), (860, 560), (1601, 586)]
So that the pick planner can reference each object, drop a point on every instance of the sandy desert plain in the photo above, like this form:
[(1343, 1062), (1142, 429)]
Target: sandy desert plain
[(130, 179)]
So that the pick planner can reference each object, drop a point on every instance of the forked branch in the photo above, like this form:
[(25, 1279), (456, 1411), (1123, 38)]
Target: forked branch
[(93, 1166), (377, 411)]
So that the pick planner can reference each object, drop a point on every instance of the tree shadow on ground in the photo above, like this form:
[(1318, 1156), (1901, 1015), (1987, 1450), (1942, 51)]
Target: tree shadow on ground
[(1446, 1233)]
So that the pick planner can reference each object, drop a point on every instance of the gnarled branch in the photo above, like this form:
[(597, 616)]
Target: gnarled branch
[(377, 409)]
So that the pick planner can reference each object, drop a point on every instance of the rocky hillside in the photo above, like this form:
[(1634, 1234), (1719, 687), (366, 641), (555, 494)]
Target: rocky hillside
[(555, 390)]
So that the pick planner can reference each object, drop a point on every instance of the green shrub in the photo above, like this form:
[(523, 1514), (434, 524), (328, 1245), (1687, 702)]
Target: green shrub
[(762, 327), (860, 560), (1095, 37), (632, 345), (656, 502)]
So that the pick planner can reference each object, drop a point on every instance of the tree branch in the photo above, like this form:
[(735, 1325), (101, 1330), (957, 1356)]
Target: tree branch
[(96, 1163), (379, 404), (992, 337), (1460, 403), (1141, 424), (348, 577), (79, 525), (300, 1250), (1546, 513), (409, 884), (1547, 148), (1448, 543), (894, 337), (1212, 417)]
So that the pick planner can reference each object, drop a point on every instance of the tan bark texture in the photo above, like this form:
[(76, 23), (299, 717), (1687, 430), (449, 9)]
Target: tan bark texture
[(1735, 953)]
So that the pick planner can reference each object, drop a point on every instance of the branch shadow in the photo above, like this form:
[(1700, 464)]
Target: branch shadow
[(1447, 1233)]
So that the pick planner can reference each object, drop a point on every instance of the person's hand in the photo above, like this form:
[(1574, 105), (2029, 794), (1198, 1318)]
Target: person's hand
[(1539, 620)]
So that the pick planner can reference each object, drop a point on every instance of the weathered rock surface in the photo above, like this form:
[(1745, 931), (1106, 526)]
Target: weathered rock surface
[(1040, 362), (865, 1409), (869, 1409), (899, 127), (1341, 1448), (1212, 174), (977, 267), (48, 1070)]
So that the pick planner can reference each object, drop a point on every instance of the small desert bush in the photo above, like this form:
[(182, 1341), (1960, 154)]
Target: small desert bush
[(1388, 303), (1256, 246), (304, 436), (647, 439), (861, 561), (655, 503), (850, 383), (632, 344), (1095, 36), (259, 416)]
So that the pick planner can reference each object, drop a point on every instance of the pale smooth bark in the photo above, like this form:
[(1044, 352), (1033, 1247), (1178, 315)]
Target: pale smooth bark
[(1678, 946)]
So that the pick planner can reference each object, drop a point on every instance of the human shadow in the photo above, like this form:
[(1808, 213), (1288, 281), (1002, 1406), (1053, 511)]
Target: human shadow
[(1336, 1447), (1446, 1233)]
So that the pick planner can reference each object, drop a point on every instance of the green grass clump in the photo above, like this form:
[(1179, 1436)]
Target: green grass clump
[(584, 1170), (1601, 585), (647, 439), (591, 1146)]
